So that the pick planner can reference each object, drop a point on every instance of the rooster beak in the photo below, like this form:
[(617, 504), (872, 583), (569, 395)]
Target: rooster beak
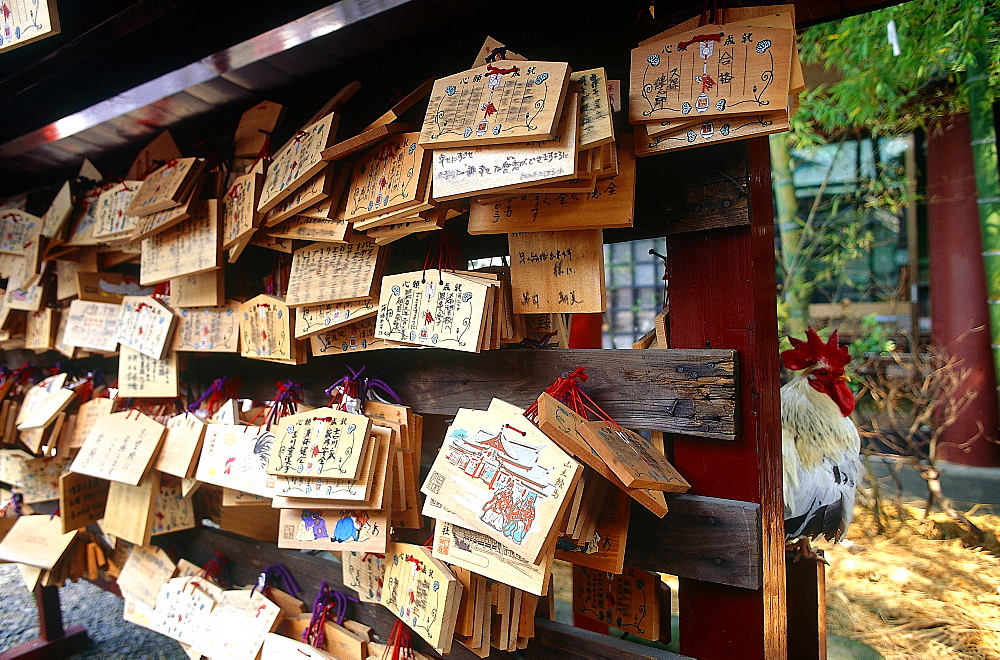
[(844, 379)]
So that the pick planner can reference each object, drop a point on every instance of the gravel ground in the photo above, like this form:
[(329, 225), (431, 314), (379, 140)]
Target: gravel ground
[(82, 603)]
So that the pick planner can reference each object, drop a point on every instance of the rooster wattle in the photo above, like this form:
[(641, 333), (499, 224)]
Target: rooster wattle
[(819, 443)]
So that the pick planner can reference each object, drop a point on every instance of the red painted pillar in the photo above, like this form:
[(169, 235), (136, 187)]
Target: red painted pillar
[(958, 285)]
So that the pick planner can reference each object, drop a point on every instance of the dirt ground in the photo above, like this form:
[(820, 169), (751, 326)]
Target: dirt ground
[(919, 590)]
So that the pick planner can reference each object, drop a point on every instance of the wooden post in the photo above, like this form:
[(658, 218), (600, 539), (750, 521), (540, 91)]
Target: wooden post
[(806, 609), (722, 295), (53, 641)]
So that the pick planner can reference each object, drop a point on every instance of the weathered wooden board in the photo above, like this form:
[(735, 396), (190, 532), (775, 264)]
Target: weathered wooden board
[(709, 189), (703, 538), (611, 203), (689, 391)]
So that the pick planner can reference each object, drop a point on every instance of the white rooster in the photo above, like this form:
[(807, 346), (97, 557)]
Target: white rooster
[(819, 443)]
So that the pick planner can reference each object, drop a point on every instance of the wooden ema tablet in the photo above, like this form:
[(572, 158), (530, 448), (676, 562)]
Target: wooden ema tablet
[(187, 248), (323, 442), (129, 510), (87, 416), (604, 549), (232, 497), (633, 458), (81, 500), (329, 272), (237, 625), (630, 602), (364, 572), (409, 427), (709, 131), (334, 530), (322, 210), (503, 477), (181, 447), (145, 571), (596, 126), (108, 287), (494, 52), (36, 478), (557, 272), (239, 208), (390, 176), (422, 592), (610, 204), (66, 279), (199, 290), (142, 376), (312, 320), (484, 555), (339, 641), (150, 225), (173, 511), (182, 606), (26, 299), (112, 221), (43, 402), (145, 325), (279, 647), (317, 188), (461, 172), (393, 232), (369, 490), (254, 128), (236, 457), (297, 161), (36, 541), (208, 329), (165, 188), (356, 337), (564, 427), (498, 103), (402, 106), (41, 330), (120, 447), (325, 230), (265, 329), (16, 229), (363, 140), (731, 70), (58, 212), (433, 308), (777, 16), (160, 150)]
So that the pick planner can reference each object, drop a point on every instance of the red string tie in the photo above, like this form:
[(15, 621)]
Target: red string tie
[(493, 69), (701, 37)]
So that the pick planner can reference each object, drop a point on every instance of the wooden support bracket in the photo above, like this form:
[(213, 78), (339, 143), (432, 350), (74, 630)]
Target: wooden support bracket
[(702, 538)]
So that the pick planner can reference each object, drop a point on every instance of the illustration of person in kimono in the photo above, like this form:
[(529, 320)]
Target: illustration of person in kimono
[(497, 510), (354, 526), (311, 527), (520, 519)]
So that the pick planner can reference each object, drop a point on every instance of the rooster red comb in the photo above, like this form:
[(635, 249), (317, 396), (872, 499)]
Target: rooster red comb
[(814, 350)]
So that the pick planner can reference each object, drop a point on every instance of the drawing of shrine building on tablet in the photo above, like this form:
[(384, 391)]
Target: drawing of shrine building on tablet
[(510, 470)]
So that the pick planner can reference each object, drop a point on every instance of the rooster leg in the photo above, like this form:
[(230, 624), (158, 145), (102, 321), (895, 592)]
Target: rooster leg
[(803, 549)]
